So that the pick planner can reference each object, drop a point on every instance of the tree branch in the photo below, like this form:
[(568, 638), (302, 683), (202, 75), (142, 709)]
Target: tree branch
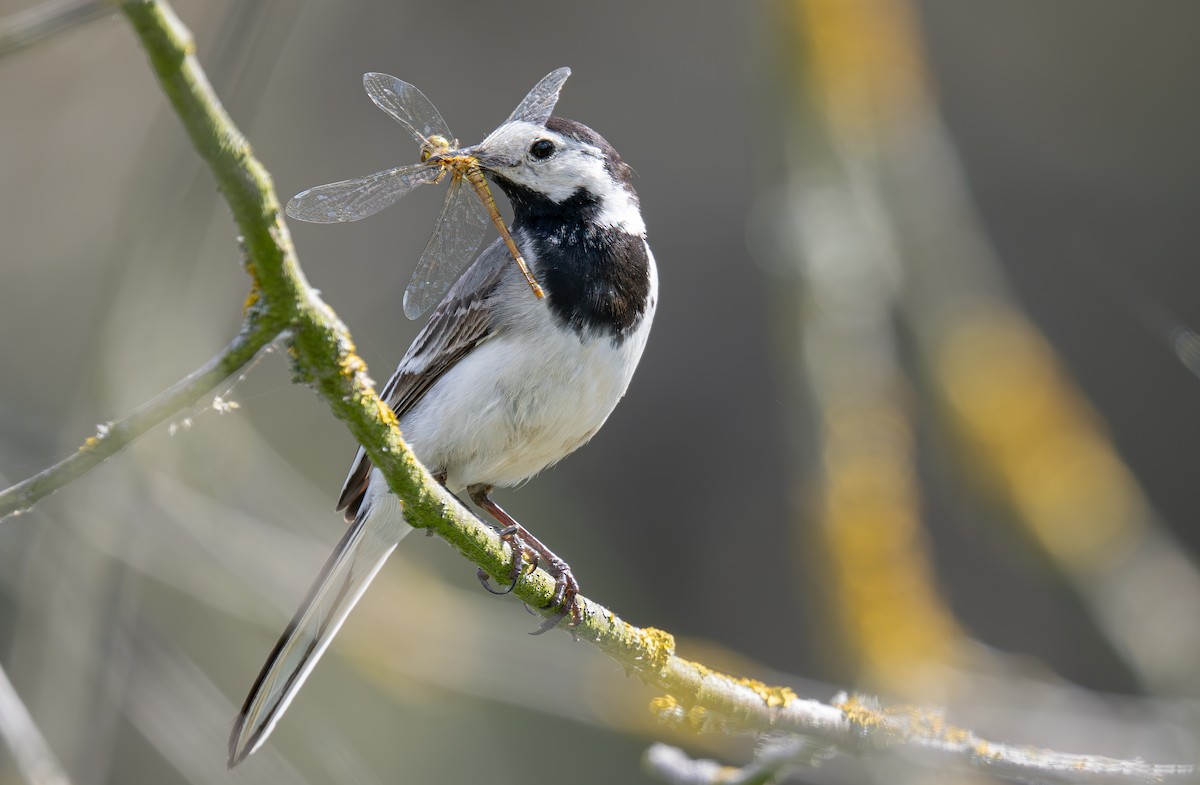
[(323, 356), (112, 437)]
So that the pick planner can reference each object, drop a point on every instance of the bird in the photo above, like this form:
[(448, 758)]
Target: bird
[(498, 384)]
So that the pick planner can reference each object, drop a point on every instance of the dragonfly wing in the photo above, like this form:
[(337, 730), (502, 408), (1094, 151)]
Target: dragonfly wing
[(538, 104), (407, 105), (456, 237), (353, 200)]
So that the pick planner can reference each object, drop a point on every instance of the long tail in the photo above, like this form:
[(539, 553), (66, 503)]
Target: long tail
[(365, 547)]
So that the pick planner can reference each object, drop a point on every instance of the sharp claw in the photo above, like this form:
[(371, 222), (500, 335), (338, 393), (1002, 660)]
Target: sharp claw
[(524, 562), (483, 580), (566, 592), (550, 622), (527, 548)]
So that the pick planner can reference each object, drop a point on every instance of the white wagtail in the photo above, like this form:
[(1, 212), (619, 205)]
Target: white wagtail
[(499, 384)]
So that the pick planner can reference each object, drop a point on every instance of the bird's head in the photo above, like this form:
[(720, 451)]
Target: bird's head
[(559, 167)]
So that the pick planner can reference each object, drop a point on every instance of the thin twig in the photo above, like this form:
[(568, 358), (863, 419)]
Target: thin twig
[(111, 438)]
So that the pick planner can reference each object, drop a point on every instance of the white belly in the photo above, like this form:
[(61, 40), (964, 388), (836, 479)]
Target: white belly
[(517, 404)]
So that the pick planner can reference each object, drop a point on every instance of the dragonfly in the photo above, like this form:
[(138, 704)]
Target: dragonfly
[(461, 226)]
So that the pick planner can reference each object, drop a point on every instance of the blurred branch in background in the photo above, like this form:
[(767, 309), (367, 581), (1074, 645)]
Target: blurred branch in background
[(875, 228), (882, 230), (867, 511), (1029, 435), (876, 223), (28, 27), (20, 734)]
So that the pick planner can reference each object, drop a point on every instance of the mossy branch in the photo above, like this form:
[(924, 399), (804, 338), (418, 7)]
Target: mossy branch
[(323, 355)]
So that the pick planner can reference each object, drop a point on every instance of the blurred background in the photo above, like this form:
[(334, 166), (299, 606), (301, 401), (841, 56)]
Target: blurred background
[(920, 414)]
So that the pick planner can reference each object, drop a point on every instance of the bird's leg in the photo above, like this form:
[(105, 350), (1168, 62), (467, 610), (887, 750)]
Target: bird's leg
[(518, 556), (523, 545), (521, 553)]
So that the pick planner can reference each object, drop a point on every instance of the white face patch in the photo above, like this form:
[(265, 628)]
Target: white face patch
[(574, 165)]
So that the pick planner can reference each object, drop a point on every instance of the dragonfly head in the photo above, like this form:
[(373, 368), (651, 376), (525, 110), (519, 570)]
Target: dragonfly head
[(436, 146)]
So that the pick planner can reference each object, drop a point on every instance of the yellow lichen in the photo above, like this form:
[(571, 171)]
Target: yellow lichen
[(982, 750), (956, 735), (918, 720), (658, 645), (663, 704), (252, 298), (696, 719), (386, 414), (351, 364), (862, 714), (774, 697), (905, 721)]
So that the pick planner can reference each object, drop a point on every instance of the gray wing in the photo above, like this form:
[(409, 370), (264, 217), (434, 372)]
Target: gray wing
[(538, 104), (462, 320)]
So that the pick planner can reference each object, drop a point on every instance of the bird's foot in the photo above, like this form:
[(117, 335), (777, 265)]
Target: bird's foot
[(565, 599), (522, 555), (527, 549)]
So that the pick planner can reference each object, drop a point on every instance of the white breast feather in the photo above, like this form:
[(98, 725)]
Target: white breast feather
[(524, 399)]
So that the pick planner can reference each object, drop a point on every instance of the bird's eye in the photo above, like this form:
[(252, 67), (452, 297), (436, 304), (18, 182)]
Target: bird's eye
[(541, 149)]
